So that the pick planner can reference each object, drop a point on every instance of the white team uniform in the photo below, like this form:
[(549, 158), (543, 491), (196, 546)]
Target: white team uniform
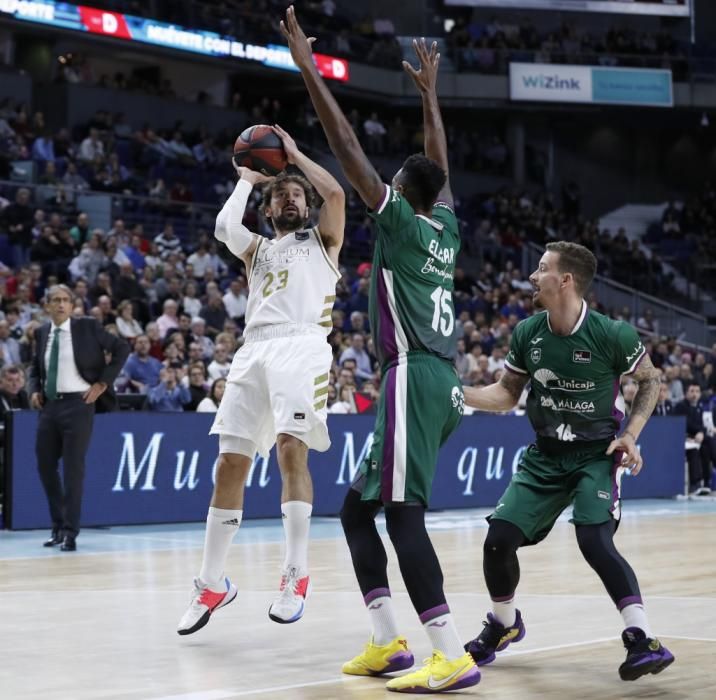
[(278, 381)]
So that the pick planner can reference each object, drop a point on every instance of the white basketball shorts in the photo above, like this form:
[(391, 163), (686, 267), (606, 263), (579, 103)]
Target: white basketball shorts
[(278, 386)]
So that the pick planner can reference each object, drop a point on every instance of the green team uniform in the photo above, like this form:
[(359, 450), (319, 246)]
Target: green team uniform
[(412, 320), (575, 407)]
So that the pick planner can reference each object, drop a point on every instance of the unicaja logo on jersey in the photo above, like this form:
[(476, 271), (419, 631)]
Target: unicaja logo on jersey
[(544, 376), (458, 400)]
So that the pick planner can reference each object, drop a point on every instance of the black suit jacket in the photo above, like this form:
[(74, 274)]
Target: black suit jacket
[(89, 343), (668, 409), (694, 417)]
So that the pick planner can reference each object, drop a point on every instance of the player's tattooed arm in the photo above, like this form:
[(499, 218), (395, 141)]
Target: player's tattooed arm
[(339, 133), (499, 397), (648, 379)]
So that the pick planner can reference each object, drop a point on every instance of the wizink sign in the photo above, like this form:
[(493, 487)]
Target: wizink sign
[(159, 468), (539, 82)]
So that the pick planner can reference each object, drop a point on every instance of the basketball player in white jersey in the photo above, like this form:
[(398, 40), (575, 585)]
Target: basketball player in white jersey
[(277, 387)]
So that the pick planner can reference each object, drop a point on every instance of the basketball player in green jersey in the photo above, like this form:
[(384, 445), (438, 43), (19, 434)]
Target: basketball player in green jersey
[(413, 326), (573, 358)]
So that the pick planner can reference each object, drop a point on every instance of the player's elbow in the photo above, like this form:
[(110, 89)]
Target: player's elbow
[(335, 196)]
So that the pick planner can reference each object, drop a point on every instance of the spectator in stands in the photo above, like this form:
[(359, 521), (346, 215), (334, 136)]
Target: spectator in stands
[(345, 377), (676, 388), (43, 148), (465, 363), (664, 407), (236, 298), (698, 443), (221, 364), (141, 369), (167, 242), (73, 180), (9, 347), (92, 149), (13, 396), (210, 404), (375, 134), (190, 303), (134, 252), (197, 384), (200, 260), (357, 352), (80, 232), (170, 394), (127, 326), (198, 330), (214, 313), (346, 403), (19, 218), (168, 319), (358, 322)]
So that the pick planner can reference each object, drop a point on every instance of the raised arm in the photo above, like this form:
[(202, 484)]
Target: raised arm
[(425, 79), (343, 142), (499, 397), (332, 219), (229, 227)]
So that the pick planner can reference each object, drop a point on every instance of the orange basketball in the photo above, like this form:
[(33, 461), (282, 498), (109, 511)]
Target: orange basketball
[(260, 149)]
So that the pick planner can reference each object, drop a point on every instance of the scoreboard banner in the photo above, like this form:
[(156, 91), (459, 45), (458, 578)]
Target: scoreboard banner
[(666, 8), (148, 31), (549, 82), (160, 467)]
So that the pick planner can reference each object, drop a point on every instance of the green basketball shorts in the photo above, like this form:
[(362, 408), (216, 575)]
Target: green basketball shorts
[(421, 404)]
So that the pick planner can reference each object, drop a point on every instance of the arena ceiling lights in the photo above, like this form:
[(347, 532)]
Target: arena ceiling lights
[(147, 31)]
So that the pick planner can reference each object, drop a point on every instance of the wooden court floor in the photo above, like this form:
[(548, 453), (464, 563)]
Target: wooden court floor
[(100, 623)]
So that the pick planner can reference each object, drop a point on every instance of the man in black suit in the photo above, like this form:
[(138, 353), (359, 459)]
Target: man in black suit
[(664, 407), (699, 442), (70, 372)]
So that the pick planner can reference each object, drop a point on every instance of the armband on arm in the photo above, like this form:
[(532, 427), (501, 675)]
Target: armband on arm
[(229, 229)]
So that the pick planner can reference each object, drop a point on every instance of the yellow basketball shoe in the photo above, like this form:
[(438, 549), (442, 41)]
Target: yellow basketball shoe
[(438, 676), (377, 660)]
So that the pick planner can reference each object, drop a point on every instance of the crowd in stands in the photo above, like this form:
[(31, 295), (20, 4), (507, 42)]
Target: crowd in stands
[(362, 38), (488, 46), (686, 236), (181, 305), (503, 222)]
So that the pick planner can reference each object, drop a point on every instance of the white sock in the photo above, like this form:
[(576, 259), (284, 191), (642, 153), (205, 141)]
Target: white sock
[(505, 611), (382, 618), (296, 523), (443, 636), (635, 616), (221, 526)]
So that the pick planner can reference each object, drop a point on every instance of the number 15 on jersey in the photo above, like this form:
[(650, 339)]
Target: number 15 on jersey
[(443, 316)]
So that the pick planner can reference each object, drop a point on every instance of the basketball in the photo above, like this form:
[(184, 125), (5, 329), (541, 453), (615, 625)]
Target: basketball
[(260, 149)]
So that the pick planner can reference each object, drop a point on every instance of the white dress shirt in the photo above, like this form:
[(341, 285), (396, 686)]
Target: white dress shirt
[(69, 379)]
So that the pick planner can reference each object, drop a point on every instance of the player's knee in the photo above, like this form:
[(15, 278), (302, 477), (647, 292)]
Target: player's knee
[(595, 541), (290, 446), (350, 511), (231, 470), (503, 540), (405, 525)]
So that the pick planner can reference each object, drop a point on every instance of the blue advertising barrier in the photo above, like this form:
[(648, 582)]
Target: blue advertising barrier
[(159, 468)]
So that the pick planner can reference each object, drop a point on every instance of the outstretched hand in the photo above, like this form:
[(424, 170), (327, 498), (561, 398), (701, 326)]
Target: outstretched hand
[(426, 77), (298, 43)]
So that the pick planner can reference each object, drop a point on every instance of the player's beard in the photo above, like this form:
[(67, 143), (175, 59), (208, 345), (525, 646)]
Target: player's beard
[(289, 222)]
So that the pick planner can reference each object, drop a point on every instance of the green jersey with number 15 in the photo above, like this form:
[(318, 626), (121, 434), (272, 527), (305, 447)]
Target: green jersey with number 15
[(574, 391), (411, 305)]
